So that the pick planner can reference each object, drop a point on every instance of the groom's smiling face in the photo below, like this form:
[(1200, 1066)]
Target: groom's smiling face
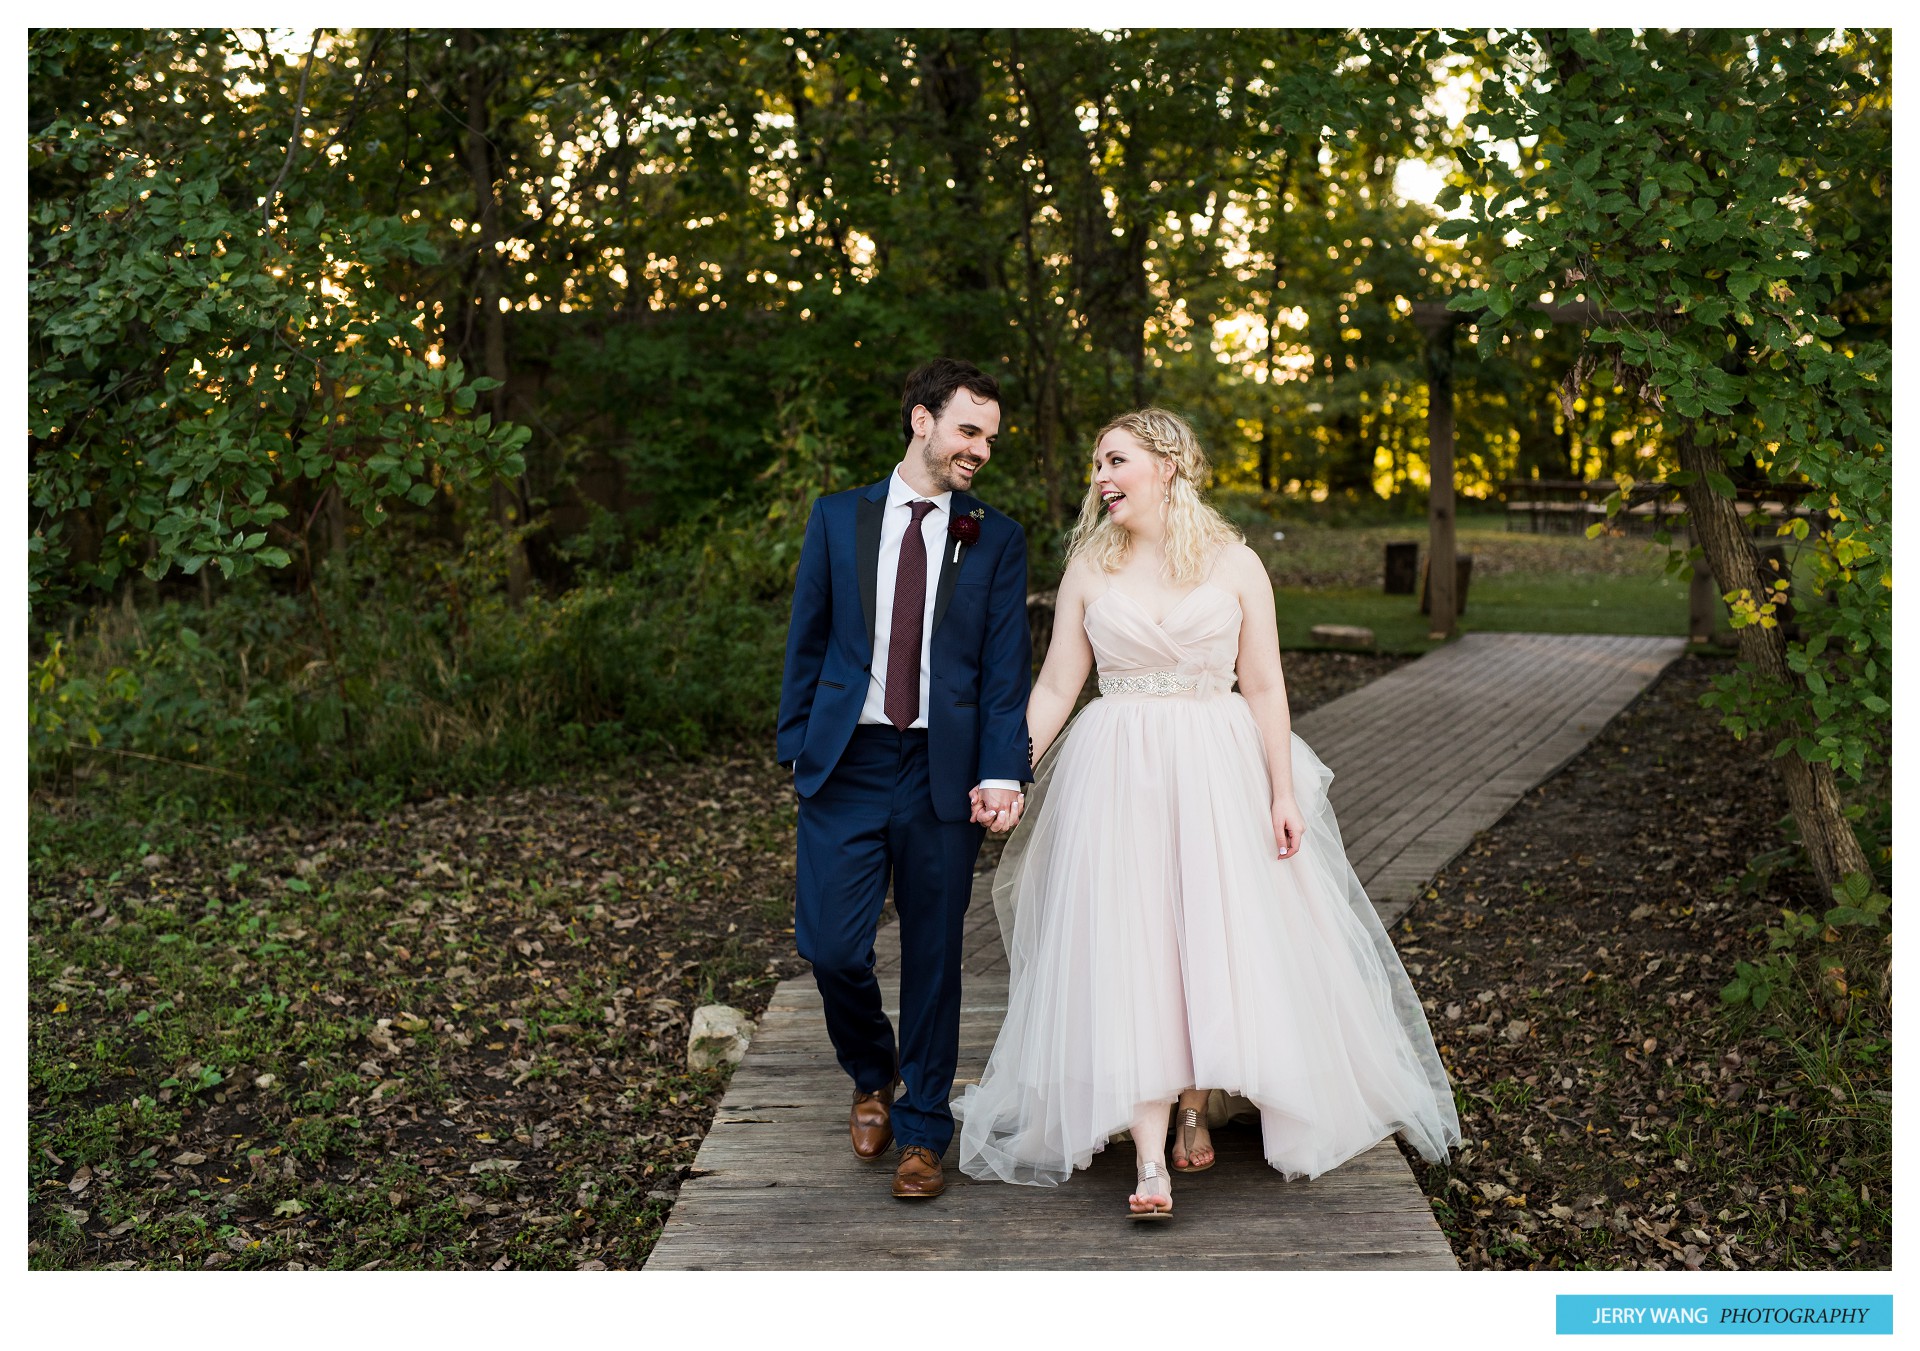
[(959, 441)]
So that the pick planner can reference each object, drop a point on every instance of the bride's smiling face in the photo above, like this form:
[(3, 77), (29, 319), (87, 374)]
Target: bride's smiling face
[(1131, 480)]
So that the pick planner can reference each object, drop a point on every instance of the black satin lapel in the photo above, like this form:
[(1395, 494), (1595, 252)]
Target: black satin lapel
[(866, 551), (949, 568)]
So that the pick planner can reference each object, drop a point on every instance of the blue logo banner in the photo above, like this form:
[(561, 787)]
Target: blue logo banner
[(1719, 1315)]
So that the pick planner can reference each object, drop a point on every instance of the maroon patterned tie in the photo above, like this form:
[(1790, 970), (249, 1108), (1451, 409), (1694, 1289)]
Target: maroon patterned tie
[(909, 609)]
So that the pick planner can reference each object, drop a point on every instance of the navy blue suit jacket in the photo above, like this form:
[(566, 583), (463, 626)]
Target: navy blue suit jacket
[(982, 652)]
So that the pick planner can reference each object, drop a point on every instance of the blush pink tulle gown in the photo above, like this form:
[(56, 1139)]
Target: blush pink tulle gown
[(1156, 942)]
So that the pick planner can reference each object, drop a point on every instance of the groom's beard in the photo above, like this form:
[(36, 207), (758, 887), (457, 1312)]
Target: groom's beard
[(940, 470)]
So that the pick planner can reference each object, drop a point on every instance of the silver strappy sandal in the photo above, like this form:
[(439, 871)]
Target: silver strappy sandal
[(1148, 1172)]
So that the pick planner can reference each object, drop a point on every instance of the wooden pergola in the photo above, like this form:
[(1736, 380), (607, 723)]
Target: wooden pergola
[(1438, 323)]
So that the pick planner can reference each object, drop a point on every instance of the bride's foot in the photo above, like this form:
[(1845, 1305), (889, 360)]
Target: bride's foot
[(1152, 1197), (1192, 1144)]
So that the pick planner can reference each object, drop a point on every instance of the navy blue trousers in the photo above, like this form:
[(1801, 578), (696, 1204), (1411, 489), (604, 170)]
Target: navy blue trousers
[(870, 822)]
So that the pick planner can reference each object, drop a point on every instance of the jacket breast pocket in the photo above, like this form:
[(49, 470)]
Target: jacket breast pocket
[(831, 684)]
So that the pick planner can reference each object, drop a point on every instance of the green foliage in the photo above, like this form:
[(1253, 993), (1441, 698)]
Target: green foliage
[(699, 261), (191, 361), (437, 680), (1793, 957), (1688, 183), (1858, 905), (679, 238)]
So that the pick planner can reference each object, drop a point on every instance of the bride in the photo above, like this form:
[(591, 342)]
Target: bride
[(1178, 910)]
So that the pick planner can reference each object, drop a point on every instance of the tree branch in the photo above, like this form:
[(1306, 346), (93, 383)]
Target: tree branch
[(341, 137), (293, 138)]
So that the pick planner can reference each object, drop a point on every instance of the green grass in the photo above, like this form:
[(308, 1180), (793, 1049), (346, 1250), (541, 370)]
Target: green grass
[(1522, 583), (1563, 603)]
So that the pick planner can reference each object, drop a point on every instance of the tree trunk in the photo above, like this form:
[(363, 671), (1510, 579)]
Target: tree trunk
[(1270, 391), (1812, 790), (1442, 603), (952, 88), (336, 525), (507, 510), (1042, 348), (1270, 413)]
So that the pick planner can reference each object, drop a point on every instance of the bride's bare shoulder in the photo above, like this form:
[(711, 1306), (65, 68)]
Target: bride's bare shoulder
[(1081, 581), (1239, 565)]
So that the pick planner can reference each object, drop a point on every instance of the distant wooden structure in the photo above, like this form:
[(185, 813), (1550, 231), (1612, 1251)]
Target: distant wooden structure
[(1567, 506), (1402, 568), (1570, 505)]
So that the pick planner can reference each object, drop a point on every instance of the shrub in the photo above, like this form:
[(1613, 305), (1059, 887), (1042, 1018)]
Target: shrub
[(403, 673)]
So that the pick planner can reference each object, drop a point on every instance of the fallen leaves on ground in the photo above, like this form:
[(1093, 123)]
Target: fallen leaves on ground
[(1615, 1114), (451, 1034)]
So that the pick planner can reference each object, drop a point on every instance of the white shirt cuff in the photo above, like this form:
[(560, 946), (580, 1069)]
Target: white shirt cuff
[(1010, 784)]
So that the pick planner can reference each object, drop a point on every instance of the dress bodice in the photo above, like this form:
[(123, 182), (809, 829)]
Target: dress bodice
[(1196, 642)]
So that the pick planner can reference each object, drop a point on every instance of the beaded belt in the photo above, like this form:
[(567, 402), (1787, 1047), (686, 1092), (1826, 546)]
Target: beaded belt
[(1150, 682)]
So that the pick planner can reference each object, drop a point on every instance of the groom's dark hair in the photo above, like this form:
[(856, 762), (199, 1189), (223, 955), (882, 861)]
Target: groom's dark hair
[(933, 384)]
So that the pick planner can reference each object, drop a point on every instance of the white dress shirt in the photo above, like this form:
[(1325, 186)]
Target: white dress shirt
[(893, 529)]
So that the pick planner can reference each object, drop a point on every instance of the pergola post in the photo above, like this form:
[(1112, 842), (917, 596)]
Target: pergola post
[(1443, 605)]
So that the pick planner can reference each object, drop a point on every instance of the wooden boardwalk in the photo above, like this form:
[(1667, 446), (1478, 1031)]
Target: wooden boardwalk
[(1431, 754), (1423, 758)]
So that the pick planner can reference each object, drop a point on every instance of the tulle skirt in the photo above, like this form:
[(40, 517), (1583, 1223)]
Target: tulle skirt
[(1156, 943)]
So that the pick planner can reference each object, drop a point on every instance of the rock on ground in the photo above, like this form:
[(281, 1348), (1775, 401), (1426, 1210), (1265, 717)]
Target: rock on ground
[(719, 1036)]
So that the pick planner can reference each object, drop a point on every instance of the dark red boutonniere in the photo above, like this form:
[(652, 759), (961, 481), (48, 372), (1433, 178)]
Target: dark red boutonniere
[(966, 529)]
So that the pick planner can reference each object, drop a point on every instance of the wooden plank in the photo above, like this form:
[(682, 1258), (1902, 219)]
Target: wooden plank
[(1437, 786), (774, 1172), (1575, 691), (1587, 704), (1416, 843), (1240, 1219), (1458, 707), (1469, 681), (1510, 702)]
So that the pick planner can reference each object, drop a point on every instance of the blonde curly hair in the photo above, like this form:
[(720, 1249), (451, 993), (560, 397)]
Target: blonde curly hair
[(1195, 531)]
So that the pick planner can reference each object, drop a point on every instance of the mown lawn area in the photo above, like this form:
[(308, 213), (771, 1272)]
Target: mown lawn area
[(1556, 603), (1521, 583)]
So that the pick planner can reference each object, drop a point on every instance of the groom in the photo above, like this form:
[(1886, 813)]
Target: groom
[(903, 719)]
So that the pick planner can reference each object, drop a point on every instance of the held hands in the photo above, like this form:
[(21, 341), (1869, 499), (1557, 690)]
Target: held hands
[(1289, 827), (998, 809)]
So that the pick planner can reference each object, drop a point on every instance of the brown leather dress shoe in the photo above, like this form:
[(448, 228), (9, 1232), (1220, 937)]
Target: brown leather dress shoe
[(919, 1175), (871, 1122)]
